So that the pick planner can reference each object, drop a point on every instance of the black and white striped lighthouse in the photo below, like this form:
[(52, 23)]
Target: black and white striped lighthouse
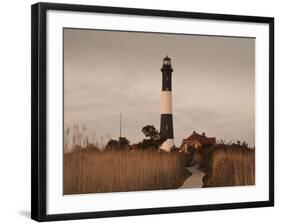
[(166, 124)]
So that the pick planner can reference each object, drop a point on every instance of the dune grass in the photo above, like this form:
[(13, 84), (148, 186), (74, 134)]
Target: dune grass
[(230, 166), (121, 170)]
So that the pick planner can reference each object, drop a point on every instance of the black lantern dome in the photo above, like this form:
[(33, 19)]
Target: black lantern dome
[(167, 60), (167, 64)]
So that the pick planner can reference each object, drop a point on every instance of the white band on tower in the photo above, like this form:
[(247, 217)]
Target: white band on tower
[(166, 105)]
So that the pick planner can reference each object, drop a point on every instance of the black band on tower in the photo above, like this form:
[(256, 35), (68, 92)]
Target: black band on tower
[(166, 126), (166, 81)]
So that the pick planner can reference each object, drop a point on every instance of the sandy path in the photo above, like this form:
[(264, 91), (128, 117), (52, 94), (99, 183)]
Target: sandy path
[(195, 180)]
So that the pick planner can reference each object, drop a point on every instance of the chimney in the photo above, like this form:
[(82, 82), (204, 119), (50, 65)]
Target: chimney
[(194, 132), (203, 133)]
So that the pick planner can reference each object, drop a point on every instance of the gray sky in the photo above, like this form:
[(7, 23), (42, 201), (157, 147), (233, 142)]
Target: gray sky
[(107, 73)]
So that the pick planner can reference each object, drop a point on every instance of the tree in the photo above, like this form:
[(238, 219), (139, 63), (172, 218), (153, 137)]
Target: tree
[(153, 138), (91, 148), (121, 143), (244, 145), (112, 144), (150, 132)]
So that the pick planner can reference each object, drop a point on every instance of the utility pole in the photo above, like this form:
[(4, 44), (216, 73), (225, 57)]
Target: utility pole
[(120, 125)]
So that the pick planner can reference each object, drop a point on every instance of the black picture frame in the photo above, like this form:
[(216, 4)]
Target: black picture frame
[(38, 110)]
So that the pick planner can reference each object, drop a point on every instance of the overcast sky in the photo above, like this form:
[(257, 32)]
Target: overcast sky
[(108, 72)]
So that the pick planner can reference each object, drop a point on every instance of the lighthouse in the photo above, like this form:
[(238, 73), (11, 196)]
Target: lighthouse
[(166, 123)]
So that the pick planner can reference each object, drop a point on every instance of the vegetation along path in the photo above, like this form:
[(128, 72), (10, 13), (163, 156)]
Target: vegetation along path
[(195, 180)]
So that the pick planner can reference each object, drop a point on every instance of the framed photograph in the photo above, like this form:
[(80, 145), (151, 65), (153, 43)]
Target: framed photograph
[(140, 111)]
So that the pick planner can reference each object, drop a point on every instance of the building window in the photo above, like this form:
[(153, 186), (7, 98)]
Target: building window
[(167, 127), (167, 78)]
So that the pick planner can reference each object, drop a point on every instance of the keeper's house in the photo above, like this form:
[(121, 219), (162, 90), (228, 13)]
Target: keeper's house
[(196, 140)]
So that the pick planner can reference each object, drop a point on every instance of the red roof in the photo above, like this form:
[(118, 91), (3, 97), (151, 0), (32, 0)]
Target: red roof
[(202, 139)]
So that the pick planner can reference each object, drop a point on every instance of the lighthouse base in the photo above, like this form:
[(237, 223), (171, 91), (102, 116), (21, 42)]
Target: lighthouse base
[(167, 145)]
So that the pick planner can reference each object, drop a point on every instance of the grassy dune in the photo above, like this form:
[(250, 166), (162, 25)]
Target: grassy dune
[(117, 171), (230, 167)]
